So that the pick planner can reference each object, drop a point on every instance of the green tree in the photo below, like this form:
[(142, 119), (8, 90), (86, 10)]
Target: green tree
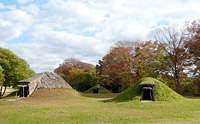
[(81, 80), (2, 79), (12, 69)]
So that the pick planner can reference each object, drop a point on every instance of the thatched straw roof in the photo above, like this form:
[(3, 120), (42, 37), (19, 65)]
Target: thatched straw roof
[(52, 80), (47, 80), (31, 79)]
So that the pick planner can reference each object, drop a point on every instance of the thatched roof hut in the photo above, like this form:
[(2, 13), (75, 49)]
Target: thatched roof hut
[(42, 80)]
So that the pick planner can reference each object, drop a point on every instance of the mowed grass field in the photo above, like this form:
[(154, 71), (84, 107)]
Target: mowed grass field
[(62, 106)]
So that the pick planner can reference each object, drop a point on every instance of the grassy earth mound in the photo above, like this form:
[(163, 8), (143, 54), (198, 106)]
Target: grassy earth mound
[(101, 89), (161, 91), (57, 92)]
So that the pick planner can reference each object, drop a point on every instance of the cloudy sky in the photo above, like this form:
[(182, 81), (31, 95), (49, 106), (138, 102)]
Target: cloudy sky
[(45, 32)]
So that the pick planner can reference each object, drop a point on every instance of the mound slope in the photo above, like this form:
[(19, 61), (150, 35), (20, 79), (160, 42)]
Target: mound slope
[(101, 89), (161, 91), (57, 92)]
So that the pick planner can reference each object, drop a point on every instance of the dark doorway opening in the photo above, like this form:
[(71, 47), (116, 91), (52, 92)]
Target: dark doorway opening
[(26, 91), (95, 90), (147, 92), (23, 91)]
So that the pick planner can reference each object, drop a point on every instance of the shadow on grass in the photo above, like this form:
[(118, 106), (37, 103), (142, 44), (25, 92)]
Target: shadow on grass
[(12, 94), (100, 95), (110, 97), (115, 100), (192, 97)]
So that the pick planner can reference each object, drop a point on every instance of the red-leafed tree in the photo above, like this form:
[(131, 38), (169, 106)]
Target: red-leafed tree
[(173, 37), (193, 49), (127, 62), (115, 70), (71, 63)]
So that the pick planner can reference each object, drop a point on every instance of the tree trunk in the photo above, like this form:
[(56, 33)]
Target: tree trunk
[(138, 75), (177, 85), (177, 82), (4, 91), (1, 91)]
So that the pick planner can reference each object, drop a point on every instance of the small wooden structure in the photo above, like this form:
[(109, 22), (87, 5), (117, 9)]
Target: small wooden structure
[(42, 80), (147, 92)]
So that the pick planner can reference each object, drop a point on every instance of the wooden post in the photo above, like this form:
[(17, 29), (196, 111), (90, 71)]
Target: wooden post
[(23, 91), (141, 98), (151, 95)]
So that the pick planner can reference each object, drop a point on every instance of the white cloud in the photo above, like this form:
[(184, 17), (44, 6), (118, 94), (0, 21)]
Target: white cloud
[(22, 2), (73, 16), (8, 31), (2, 6), (32, 9), (13, 23), (49, 48), (57, 28)]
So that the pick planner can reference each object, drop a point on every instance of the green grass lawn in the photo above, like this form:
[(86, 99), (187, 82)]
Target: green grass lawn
[(67, 106)]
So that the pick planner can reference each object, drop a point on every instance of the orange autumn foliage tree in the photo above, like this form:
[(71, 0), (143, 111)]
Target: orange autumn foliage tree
[(173, 37), (127, 62), (115, 69), (71, 63), (193, 49)]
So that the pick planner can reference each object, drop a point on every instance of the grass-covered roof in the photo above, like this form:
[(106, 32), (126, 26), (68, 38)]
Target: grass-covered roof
[(101, 89), (161, 91)]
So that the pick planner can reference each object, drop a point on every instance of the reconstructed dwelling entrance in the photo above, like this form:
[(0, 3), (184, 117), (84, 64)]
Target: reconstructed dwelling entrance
[(147, 92), (95, 90), (23, 91)]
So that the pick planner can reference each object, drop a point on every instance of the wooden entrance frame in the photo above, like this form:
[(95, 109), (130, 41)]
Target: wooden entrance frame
[(147, 92), (23, 91)]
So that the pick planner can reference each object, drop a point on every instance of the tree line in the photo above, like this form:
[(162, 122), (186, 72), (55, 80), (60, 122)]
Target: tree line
[(172, 56)]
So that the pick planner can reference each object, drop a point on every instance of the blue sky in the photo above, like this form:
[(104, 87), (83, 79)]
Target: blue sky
[(21, 39), (45, 32), (9, 2)]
